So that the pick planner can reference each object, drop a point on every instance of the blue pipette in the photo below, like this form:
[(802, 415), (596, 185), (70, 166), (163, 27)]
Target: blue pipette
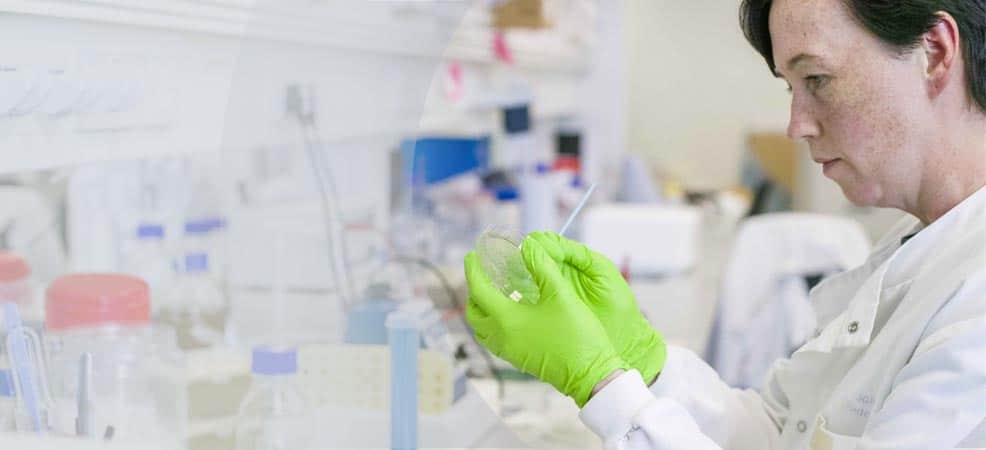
[(23, 369)]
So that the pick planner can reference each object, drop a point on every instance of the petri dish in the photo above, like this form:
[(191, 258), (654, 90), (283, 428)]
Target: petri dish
[(499, 255)]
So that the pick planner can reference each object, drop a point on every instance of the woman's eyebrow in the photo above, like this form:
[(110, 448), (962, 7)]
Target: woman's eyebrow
[(795, 62)]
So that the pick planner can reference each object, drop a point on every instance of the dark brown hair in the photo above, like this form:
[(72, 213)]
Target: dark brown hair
[(899, 24)]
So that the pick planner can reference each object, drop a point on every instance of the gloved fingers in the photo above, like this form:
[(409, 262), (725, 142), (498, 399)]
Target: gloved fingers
[(573, 253), (544, 270), (551, 243), (478, 320), (482, 294), (474, 313)]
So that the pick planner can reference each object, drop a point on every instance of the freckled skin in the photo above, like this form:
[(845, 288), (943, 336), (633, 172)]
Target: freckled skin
[(871, 111)]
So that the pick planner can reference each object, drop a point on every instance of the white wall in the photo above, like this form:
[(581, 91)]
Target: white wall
[(696, 88), (603, 105)]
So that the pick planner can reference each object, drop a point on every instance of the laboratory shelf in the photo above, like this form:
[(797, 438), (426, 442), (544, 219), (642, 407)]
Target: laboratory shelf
[(455, 30), (105, 80)]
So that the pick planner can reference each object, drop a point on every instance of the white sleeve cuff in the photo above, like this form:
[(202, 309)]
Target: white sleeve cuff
[(625, 407), (611, 410), (667, 380)]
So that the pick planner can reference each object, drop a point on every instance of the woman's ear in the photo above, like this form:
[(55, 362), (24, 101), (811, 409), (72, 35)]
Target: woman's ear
[(941, 46)]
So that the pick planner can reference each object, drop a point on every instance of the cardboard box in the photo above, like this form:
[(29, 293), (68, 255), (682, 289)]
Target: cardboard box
[(519, 14), (778, 156)]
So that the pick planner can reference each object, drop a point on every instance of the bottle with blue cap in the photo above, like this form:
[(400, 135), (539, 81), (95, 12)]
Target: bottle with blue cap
[(196, 305), (197, 237), (147, 256), (274, 415), (207, 234), (505, 208)]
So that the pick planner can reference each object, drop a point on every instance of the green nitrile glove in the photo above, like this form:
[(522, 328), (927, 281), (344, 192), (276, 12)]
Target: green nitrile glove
[(558, 340), (600, 285)]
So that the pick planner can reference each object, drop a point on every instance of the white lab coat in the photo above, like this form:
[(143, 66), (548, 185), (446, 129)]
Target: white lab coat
[(899, 362), (763, 312)]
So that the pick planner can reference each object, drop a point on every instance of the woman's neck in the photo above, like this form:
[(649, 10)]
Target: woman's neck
[(957, 171)]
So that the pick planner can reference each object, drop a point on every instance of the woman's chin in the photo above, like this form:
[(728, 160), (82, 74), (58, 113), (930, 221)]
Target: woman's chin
[(862, 196)]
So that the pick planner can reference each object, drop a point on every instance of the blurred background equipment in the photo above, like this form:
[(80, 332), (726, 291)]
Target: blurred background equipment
[(274, 413), (764, 311), (220, 220), (651, 240)]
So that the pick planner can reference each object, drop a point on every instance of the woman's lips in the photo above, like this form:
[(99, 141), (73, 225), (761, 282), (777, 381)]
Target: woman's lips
[(828, 164)]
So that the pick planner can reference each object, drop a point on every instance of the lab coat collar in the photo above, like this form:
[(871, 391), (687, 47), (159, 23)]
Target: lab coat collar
[(967, 216), (853, 325), (846, 305)]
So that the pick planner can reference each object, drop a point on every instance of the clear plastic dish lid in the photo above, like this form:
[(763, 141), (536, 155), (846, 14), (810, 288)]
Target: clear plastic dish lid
[(499, 255)]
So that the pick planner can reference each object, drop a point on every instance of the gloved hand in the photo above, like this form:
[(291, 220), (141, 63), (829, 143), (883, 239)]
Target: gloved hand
[(598, 283), (558, 340)]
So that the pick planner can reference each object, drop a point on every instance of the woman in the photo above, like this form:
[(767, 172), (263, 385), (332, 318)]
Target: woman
[(891, 99)]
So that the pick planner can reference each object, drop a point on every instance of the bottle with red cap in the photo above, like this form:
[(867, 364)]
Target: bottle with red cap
[(15, 280), (108, 316)]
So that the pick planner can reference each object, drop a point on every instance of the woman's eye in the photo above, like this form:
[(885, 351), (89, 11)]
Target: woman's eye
[(815, 82)]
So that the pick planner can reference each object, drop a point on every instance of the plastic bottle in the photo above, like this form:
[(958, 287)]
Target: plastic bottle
[(205, 211), (108, 316), (209, 235), (405, 341), (539, 204), (198, 237), (505, 210), (15, 280), (148, 258), (274, 415), (218, 242), (195, 306)]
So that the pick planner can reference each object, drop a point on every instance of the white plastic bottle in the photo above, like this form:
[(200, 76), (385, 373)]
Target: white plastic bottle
[(208, 235), (218, 242), (205, 211), (198, 238), (538, 200), (274, 414), (195, 305), (147, 257)]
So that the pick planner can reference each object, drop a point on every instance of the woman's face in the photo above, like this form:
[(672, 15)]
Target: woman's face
[(862, 107)]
